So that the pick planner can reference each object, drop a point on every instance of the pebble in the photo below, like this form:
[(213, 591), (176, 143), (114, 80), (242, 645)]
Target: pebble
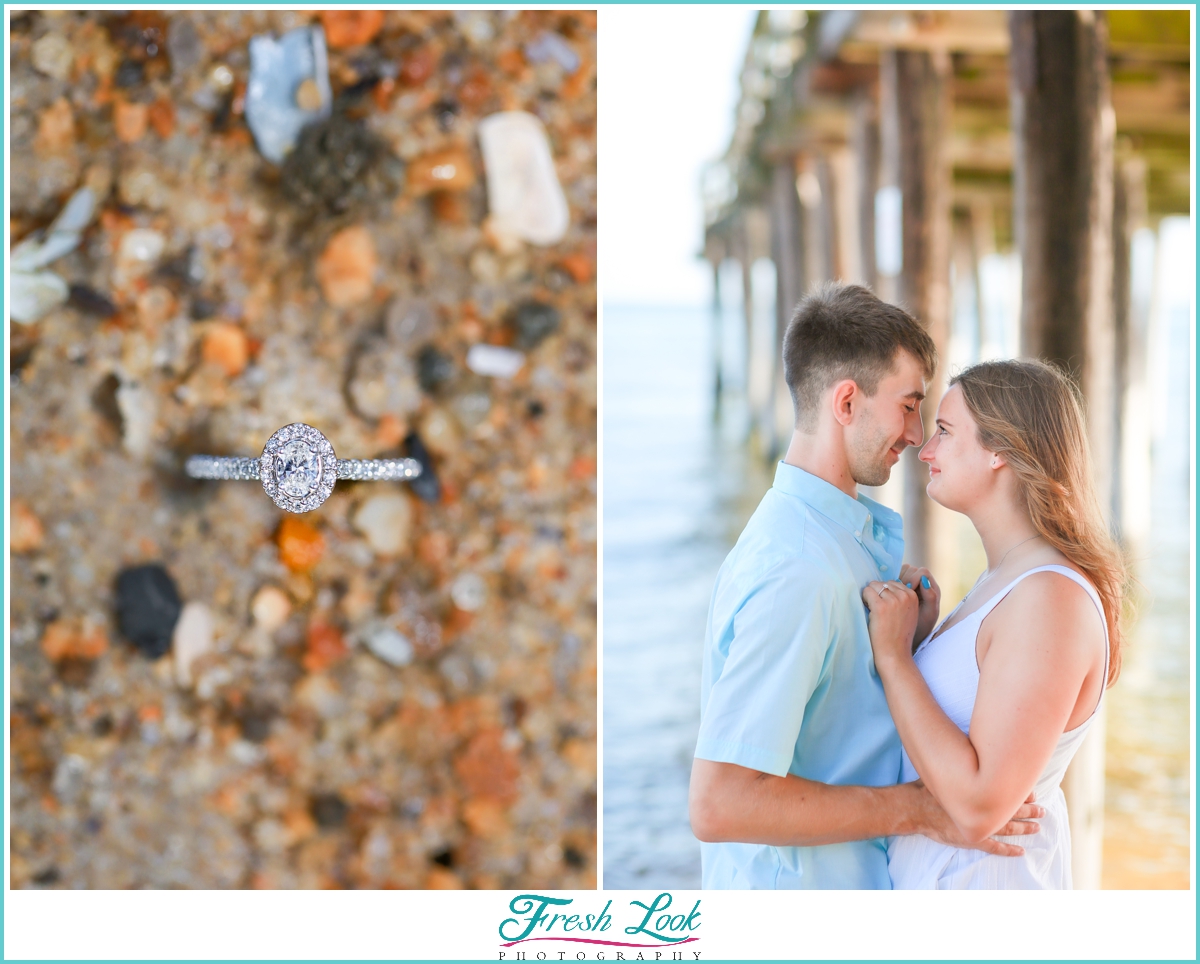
[(548, 46), (385, 519), (351, 28), (328, 810), (27, 533), (440, 171), (91, 302), (70, 639), (154, 306), (346, 268), (388, 643), (325, 647), (487, 769), (33, 296), (53, 55), (384, 381), (410, 321), (469, 592), (184, 45), (440, 432), (56, 128), (301, 546), (141, 245), (162, 118), (148, 607), (226, 345), (494, 360), (534, 322), (277, 68), (192, 639), (425, 486), (270, 608), (434, 369), (130, 120), (524, 196)]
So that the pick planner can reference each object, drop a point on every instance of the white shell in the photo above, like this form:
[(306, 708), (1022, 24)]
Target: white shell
[(524, 196)]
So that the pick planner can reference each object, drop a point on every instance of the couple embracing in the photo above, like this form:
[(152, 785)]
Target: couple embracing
[(848, 739)]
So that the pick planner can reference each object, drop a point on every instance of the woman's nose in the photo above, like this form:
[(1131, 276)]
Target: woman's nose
[(926, 453)]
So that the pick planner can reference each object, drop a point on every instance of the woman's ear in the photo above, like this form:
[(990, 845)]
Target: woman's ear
[(997, 461)]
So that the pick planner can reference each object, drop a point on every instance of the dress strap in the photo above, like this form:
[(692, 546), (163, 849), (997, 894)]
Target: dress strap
[(1071, 574)]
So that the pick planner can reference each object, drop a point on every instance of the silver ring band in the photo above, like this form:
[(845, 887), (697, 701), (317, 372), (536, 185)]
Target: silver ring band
[(234, 469), (297, 468), (884, 589)]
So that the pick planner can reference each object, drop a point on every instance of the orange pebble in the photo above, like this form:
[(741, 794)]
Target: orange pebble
[(27, 532), (130, 120), (578, 267), (511, 61), (162, 118), (346, 268), (418, 66), (440, 878), (56, 128), (440, 171), (349, 28), (300, 545), (582, 468), (66, 639), (226, 345), (150, 713), (487, 768), (391, 431), (325, 647)]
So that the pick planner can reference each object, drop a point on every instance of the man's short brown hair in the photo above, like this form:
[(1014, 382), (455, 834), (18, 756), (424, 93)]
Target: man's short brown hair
[(843, 331)]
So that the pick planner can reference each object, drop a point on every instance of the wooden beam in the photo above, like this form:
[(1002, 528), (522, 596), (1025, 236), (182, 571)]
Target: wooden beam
[(1063, 130), (915, 105)]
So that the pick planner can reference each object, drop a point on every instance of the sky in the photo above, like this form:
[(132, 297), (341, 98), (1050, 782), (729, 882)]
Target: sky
[(667, 103)]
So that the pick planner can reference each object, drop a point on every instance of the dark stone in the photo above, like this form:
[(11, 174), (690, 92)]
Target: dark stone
[(48, 876), (222, 118), (426, 485), (534, 322), (130, 74), (90, 301), (329, 810), (256, 723), (103, 726), (434, 369), (93, 824), (574, 858), (535, 409), (338, 165), (75, 672), (104, 401), (184, 269), (446, 112), (444, 858), (203, 308), (148, 607)]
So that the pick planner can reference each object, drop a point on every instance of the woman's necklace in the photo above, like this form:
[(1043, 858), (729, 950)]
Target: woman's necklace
[(990, 572)]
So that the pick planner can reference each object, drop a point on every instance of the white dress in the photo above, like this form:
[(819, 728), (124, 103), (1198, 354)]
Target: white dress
[(947, 662)]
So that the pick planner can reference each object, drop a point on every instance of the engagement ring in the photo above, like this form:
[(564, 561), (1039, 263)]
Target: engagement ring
[(297, 468), (885, 587)]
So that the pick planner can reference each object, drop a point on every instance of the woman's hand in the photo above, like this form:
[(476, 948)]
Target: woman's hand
[(929, 596), (892, 621)]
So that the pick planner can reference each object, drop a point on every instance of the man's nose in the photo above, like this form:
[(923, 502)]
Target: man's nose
[(914, 429)]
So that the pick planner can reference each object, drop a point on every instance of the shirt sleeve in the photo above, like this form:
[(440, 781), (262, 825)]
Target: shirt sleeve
[(781, 635)]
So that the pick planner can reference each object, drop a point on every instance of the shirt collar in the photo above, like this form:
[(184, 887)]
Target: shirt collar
[(859, 516)]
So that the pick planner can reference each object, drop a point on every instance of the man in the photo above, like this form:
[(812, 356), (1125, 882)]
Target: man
[(794, 781)]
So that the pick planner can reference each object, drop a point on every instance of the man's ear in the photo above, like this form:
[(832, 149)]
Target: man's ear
[(843, 399)]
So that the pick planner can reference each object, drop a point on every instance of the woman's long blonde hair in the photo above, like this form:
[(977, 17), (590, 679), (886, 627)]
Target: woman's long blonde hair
[(1031, 413)]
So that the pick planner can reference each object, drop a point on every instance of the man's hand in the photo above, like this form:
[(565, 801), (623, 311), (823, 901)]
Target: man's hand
[(936, 824), (930, 599)]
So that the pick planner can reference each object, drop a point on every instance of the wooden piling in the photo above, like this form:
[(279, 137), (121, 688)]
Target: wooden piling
[(1063, 131)]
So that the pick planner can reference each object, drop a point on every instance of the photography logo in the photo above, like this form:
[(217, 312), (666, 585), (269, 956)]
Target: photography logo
[(553, 929)]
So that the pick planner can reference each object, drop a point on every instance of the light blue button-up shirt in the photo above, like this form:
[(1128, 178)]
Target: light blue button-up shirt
[(789, 683)]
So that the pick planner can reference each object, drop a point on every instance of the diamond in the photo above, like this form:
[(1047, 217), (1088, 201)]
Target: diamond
[(298, 469)]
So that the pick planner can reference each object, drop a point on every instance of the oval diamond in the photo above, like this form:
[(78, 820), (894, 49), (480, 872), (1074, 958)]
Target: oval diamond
[(297, 469)]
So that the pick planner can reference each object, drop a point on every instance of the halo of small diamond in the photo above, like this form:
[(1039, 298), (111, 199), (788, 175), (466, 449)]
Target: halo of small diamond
[(269, 467)]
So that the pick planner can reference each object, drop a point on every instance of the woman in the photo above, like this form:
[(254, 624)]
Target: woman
[(994, 703)]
